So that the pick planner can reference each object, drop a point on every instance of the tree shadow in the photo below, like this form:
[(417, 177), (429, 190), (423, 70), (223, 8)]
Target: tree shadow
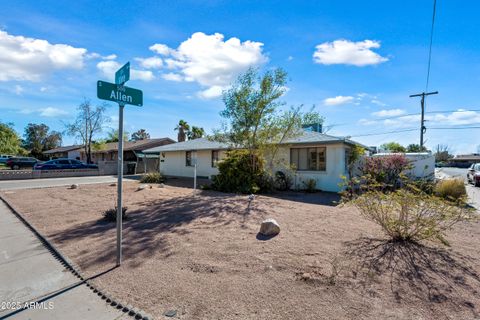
[(417, 272), (321, 198), (145, 232)]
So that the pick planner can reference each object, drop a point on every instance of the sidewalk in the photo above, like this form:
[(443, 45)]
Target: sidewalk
[(30, 273)]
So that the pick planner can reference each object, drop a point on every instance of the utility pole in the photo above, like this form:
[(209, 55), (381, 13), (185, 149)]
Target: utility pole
[(423, 129)]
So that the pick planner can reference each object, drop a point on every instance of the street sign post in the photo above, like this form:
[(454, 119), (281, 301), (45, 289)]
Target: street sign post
[(123, 74), (117, 92)]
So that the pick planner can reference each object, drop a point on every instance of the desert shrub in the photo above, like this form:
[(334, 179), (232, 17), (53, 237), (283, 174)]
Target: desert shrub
[(310, 185), (111, 214), (241, 172), (385, 172), (283, 180), (451, 189), (407, 216), (153, 177)]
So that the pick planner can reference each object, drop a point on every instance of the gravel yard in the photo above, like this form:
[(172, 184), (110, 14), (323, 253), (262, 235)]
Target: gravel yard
[(201, 256)]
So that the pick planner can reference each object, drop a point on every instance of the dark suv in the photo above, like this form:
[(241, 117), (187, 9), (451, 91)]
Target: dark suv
[(16, 163)]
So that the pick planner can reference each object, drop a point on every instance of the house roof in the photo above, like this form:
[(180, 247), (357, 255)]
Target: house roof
[(62, 149), (307, 137), (467, 157), (195, 144), (138, 145)]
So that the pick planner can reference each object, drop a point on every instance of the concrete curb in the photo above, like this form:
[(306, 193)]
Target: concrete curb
[(70, 265)]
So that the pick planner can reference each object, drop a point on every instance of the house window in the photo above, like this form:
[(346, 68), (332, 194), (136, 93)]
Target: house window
[(215, 155), (190, 158), (310, 159)]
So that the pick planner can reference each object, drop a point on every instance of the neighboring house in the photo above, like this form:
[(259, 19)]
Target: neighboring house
[(71, 152), (422, 164), (314, 155), (465, 160), (107, 154)]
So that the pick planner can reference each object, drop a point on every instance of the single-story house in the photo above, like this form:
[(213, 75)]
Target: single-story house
[(315, 156), (106, 155), (70, 152), (465, 160)]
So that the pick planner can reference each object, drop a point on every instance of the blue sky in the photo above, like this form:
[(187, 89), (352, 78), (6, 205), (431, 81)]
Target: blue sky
[(356, 61)]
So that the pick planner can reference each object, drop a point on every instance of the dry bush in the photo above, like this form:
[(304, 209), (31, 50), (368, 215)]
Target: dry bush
[(153, 177), (406, 216), (451, 189), (111, 214)]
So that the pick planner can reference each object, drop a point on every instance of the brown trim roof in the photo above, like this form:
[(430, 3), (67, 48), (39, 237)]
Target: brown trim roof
[(139, 145)]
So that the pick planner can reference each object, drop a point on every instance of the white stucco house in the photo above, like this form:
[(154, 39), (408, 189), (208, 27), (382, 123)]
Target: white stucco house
[(315, 156)]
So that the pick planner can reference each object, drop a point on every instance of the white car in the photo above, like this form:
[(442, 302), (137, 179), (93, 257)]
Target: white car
[(473, 174)]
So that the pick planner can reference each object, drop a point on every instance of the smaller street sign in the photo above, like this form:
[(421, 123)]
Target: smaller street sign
[(123, 74), (118, 93)]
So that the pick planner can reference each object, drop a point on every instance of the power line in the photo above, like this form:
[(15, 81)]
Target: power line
[(454, 128), (431, 42), (381, 133)]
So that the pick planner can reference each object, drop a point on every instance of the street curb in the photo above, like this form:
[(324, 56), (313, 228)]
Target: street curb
[(72, 267)]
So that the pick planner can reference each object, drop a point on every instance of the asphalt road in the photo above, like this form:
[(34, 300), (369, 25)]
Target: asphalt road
[(58, 182), (473, 192)]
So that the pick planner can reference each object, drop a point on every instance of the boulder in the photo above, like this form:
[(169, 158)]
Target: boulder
[(269, 227), (74, 186), (143, 186)]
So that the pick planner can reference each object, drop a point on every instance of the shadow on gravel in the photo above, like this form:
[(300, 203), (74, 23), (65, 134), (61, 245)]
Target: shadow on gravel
[(145, 230), (417, 272)]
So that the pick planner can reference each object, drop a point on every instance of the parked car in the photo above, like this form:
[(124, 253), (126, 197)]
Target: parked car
[(4, 158), (62, 164), (16, 163), (473, 174)]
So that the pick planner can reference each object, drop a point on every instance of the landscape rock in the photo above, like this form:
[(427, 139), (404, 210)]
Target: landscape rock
[(74, 186), (269, 227), (144, 186), (161, 185)]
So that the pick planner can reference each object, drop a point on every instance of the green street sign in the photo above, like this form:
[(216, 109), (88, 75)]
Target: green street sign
[(123, 74), (120, 94)]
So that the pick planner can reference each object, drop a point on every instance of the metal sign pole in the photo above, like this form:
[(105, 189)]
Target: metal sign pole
[(195, 177), (119, 183)]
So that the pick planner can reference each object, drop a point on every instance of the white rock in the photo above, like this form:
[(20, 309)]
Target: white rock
[(161, 185), (143, 186), (270, 227)]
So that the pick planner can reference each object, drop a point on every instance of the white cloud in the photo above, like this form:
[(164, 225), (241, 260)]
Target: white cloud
[(18, 90), (109, 67), (29, 59), (338, 100), (459, 117), (388, 113), (150, 63), (347, 52), (212, 92), (52, 112), (161, 49), (210, 61), (171, 76)]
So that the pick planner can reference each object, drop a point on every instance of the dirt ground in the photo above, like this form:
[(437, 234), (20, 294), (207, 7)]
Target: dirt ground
[(201, 255)]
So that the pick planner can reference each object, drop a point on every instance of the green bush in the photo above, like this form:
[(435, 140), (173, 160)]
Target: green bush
[(241, 172), (111, 214), (283, 180), (451, 189), (153, 177), (310, 185), (407, 216)]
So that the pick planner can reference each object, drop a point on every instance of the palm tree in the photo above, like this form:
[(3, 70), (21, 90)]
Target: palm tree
[(141, 134), (183, 129), (195, 133)]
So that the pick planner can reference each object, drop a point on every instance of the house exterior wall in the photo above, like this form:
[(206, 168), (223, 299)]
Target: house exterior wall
[(173, 164), (327, 180), (74, 154)]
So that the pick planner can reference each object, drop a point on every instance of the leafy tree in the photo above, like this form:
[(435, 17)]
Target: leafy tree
[(10, 142), (442, 153), (255, 121), (141, 134), (89, 122), (393, 147), (415, 148), (38, 138), (183, 128), (195, 133)]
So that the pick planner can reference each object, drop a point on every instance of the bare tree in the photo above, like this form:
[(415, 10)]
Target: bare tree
[(90, 121), (442, 152)]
